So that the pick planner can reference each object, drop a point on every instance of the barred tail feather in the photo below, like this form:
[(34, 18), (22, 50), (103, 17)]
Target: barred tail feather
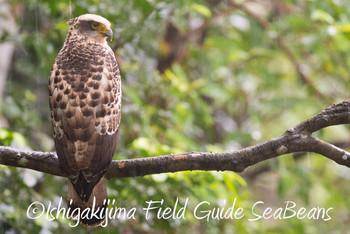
[(92, 212)]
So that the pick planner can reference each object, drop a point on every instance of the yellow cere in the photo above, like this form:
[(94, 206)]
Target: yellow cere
[(101, 28)]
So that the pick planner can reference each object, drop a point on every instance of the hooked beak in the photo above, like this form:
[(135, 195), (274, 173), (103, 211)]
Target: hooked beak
[(109, 34)]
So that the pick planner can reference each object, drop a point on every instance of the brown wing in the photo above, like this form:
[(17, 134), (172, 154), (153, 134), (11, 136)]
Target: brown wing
[(85, 103)]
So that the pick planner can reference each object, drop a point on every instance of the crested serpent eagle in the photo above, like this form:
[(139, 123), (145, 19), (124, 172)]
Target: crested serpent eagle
[(85, 103)]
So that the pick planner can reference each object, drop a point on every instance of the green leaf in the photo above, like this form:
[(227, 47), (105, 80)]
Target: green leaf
[(321, 15), (201, 9), (144, 5), (19, 139), (344, 28)]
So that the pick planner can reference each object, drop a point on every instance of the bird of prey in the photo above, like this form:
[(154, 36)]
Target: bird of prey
[(85, 103)]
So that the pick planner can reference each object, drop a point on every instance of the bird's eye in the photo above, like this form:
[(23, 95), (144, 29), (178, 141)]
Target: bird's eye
[(94, 25)]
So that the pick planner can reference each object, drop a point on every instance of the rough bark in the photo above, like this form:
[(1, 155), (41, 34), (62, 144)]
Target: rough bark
[(297, 139)]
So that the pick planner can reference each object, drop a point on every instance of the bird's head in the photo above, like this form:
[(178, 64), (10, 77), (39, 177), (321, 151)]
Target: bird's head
[(93, 27)]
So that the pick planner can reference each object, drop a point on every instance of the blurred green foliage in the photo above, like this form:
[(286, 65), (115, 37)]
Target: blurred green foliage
[(227, 83)]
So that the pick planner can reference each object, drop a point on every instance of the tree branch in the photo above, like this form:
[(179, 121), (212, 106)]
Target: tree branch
[(296, 139)]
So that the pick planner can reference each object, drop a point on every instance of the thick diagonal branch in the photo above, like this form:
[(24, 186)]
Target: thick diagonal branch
[(296, 139)]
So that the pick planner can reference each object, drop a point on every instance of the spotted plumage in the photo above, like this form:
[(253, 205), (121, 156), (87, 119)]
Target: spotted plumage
[(85, 104)]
